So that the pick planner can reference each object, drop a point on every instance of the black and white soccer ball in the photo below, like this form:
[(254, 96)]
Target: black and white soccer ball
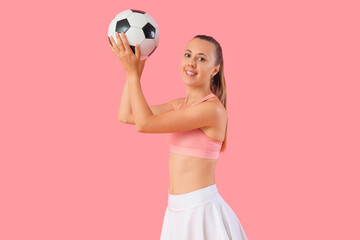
[(139, 27)]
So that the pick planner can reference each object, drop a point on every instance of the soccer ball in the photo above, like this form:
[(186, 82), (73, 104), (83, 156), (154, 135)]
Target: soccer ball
[(139, 28)]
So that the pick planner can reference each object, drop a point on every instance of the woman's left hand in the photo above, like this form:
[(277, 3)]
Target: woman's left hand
[(122, 50)]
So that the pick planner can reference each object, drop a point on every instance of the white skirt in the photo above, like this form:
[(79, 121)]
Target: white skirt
[(200, 215)]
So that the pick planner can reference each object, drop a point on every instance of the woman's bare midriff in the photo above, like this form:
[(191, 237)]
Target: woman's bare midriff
[(188, 173)]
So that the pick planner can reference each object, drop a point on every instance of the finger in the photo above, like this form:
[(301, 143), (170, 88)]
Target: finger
[(112, 49), (120, 43), (137, 51), (113, 44), (125, 42)]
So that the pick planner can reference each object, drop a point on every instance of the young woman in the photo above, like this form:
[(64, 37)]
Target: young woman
[(197, 125)]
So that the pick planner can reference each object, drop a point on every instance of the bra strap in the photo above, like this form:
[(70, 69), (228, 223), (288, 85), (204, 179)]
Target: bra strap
[(201, 100), (204, 98), (180, 105)]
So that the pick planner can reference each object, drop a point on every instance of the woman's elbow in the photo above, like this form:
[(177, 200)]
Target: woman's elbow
[(127, 121), (140, 128)]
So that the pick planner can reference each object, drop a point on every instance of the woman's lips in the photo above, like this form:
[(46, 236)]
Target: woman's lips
[(190, 73)]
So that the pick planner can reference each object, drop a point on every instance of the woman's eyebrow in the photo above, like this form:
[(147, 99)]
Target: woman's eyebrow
[(198, 53)]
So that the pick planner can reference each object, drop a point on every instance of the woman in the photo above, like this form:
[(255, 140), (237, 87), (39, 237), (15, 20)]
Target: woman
[(197, 125)]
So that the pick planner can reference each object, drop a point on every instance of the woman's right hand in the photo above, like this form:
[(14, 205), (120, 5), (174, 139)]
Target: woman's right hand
[(117, 53)]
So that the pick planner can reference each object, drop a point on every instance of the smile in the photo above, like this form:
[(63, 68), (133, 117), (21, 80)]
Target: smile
[(191, 74)]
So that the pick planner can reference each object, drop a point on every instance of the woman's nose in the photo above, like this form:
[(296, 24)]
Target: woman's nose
[(191, 63)]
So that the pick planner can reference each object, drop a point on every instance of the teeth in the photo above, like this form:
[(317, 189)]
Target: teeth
[(190, 73)]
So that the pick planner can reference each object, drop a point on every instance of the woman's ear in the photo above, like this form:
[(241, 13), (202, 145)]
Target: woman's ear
[(217, 68)]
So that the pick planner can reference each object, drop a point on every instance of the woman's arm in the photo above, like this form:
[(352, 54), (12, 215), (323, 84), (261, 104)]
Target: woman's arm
[(172, 121), (125, 111), (125, 108), (141, 109), (133, 67)]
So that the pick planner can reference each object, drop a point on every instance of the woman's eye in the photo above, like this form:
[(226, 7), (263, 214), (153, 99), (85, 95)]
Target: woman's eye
[(187, 55)]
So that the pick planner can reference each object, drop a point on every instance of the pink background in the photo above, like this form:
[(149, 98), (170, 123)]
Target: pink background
[(70, 170)]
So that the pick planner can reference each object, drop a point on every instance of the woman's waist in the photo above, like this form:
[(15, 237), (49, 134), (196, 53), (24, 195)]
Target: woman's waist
[(194, 198), (191, 175), (187, 173), (183, 182)]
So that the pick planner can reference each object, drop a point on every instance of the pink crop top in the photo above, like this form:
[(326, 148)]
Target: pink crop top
[(194, 142)]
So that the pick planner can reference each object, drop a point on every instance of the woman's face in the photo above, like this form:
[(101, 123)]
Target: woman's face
[(198, 61)]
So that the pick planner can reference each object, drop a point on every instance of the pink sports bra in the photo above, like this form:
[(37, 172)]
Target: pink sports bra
[(194, 142)]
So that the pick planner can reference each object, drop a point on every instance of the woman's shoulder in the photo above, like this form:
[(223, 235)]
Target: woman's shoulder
[(212, 103), (219, 106), (216, 103), (177, 101)]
